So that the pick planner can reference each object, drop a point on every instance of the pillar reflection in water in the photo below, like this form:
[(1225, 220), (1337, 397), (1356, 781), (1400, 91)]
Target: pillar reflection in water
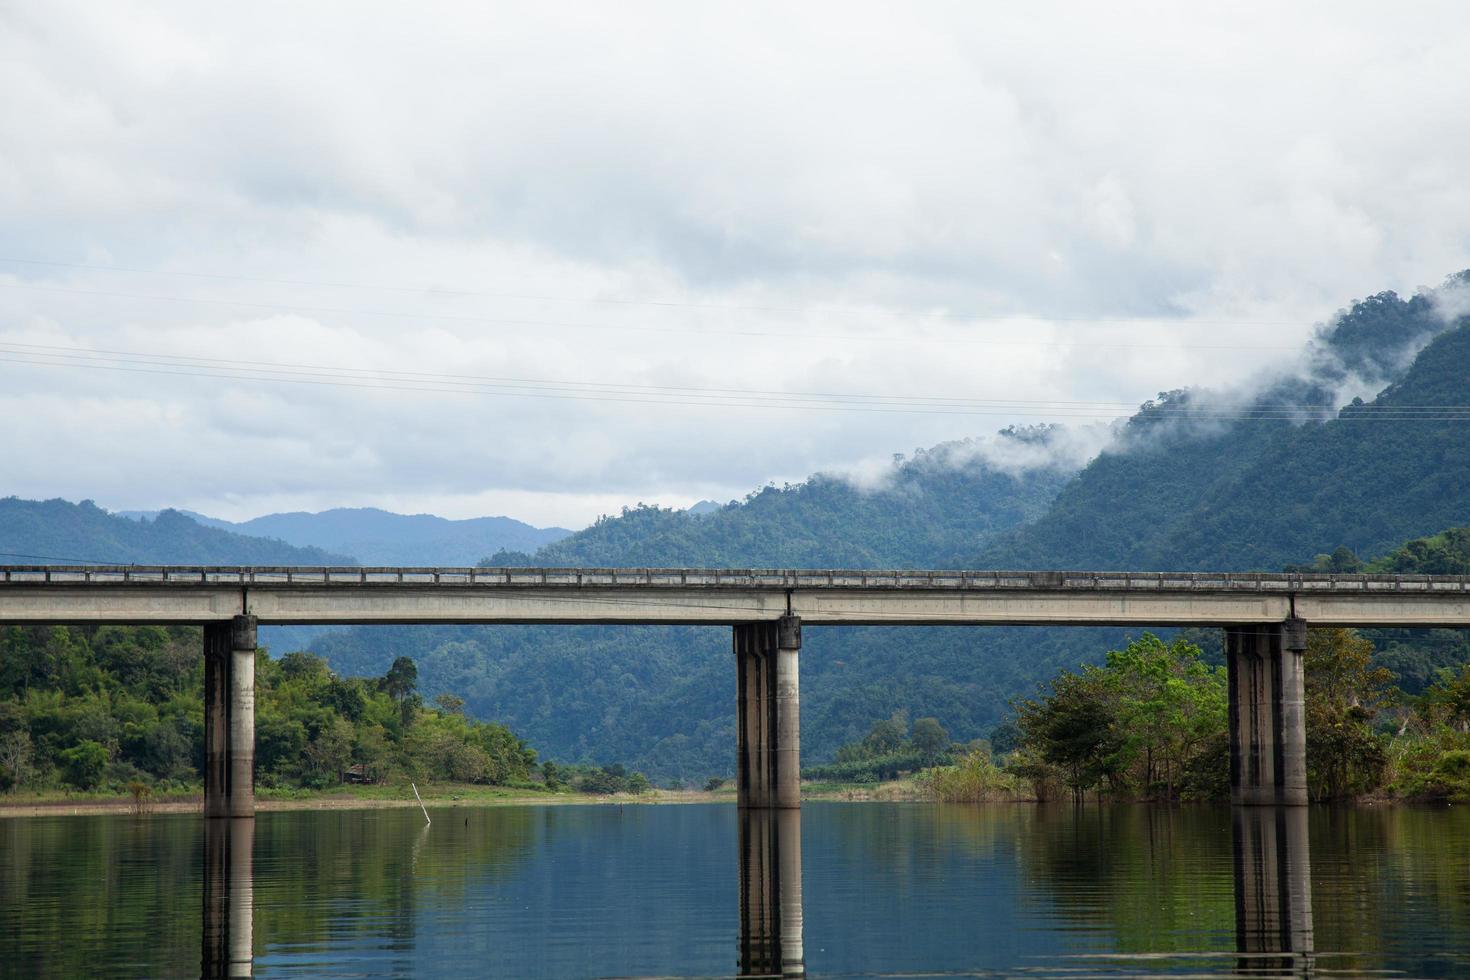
[(228, 910), (770, 893), (1273, 888)]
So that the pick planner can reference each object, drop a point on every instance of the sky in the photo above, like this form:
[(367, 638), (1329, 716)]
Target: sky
[(549, 260)]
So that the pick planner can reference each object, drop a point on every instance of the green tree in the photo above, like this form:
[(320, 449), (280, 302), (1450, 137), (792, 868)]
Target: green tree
[(1344, 693), (930, 739), (400, 682), (1168, 705), (84, 764), (887, 736), (1073, 728)]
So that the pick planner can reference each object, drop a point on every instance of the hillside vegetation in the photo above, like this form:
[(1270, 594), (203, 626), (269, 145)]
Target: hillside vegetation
[(1179, 489)]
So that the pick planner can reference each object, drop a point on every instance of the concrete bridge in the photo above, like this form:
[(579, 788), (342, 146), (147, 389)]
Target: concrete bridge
[(1265, 618)]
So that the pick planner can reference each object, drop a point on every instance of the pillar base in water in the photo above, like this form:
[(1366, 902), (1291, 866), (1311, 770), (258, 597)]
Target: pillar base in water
[(1268, 725), (768, 709), (229, 718)]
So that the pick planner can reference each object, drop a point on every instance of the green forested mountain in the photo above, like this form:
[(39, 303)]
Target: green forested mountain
[(933, 510), (1181, 487), (1181, 490), (56, 531)]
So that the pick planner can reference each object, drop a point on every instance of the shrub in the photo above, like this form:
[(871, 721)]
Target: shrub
[(974, 778), (84, 764)]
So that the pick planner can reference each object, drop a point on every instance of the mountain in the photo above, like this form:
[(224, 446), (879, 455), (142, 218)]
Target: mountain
[(931, 511), (1195, 479), (378, 537), (59, 532), (1181, 490)]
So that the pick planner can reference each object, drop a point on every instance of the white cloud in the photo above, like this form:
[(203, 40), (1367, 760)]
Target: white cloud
[(806, 187)]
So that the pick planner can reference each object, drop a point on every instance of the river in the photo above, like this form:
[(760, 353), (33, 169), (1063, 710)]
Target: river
[(836, 890)]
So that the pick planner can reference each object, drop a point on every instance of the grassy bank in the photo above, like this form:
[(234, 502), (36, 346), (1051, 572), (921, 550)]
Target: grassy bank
[(55, 802), (340, 798)]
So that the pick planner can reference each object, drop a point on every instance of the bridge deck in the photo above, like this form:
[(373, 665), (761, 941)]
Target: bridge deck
[(194, 595)]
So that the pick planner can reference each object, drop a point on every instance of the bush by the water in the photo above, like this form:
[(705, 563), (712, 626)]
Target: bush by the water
[(973, 778)]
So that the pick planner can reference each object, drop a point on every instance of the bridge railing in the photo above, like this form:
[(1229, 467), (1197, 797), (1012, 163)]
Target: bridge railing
[(722, 578)]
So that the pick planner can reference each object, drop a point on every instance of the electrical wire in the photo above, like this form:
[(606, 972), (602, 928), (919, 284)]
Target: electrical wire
[(667, 304), (254, 371), (632, 328)]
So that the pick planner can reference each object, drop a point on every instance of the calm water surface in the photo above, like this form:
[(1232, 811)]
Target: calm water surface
[(838, 890)]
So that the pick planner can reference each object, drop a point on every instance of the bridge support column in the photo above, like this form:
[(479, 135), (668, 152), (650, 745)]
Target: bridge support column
[(229, 718), (1268, 722), (768, 709)]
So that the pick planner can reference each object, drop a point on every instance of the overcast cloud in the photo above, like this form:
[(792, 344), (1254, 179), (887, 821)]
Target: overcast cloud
[(1063, 203)]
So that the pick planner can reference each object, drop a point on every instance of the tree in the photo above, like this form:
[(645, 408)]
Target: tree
[(84, 764), (400, 682), (15, 759), (450, 704), (930, 739), (1169, 703), (1073, 729), (1448, 699), (888, 736), (1344, 693), (330, 753)]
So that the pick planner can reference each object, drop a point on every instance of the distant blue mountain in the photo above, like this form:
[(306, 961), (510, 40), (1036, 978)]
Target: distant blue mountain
[(379, 537), (61, 532)]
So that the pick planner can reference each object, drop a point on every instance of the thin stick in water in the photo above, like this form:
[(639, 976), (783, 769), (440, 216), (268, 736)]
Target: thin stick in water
[(421, 803)]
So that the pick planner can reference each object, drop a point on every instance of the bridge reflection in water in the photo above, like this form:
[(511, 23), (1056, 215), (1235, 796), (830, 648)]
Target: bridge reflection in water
[(770, 893), (1273, 896), (228, 935), (1273, 889)]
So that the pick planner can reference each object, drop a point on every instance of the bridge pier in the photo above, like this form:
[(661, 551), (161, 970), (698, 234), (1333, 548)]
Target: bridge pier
[(229, 718), (768, 708), (1268, 722)]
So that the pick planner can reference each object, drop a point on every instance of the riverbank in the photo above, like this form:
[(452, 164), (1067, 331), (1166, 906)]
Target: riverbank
[(434, 795), (345, 798)]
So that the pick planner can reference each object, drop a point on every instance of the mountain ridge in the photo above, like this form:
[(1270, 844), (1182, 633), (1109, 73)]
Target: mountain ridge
[(380, 537)]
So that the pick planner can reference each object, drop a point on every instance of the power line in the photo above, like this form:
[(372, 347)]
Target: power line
[(275, 367), (631, 328), (224, 369), (74, 561), (667, 304)]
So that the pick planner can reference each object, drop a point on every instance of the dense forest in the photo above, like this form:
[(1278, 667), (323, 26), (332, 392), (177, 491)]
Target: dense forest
[(932, 510), (112, 708), (1179, 488)]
